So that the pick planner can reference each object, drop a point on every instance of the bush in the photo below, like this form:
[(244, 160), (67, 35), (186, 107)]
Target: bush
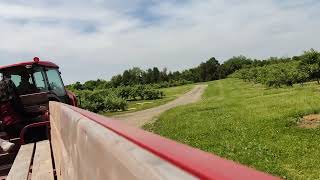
[(91, 100), (152, 94), (171, 83), (114, 103), (101, 101), (139, 92), (274, 75), (115, 99), (125, 92)]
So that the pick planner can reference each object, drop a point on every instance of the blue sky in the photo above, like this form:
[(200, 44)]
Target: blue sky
[(93, 39)]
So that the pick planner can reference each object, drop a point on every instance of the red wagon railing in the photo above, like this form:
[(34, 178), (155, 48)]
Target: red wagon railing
[(193, 161)]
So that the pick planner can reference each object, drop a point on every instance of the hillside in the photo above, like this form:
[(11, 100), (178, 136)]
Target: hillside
[(251, 124)]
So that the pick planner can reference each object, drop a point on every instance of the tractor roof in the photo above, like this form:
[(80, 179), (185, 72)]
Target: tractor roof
[(36, 61)]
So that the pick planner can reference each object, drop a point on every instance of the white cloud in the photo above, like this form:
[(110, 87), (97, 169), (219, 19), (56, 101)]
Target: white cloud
[(177, 35)]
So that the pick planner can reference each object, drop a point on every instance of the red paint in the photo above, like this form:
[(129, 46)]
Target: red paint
[(42, 63), (38, 124), (73, 98), (196, 162), (8, 115)]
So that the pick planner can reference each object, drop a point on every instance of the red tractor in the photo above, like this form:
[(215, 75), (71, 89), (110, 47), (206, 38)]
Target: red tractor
[(37, 82)]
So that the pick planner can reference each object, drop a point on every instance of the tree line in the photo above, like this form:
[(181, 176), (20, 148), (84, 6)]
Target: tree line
[(137, 84), (208, 71)]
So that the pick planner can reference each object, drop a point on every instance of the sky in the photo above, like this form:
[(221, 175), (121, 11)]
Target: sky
[(92, 39)]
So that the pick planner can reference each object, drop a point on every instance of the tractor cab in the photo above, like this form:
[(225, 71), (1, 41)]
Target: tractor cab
[(38, 82)]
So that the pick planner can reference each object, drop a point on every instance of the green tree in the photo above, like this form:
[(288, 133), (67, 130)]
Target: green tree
[(116, 81), (156, 75), (209, 70), (310, 63), (234, 63)]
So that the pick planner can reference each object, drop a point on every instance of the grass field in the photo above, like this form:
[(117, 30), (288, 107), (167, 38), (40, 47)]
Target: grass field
[(251, 124), (170, 94)]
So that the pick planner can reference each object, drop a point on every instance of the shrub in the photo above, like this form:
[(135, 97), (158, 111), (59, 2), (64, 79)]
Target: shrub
[(114, 103), (114, 99), (152, 94), (91, 101), (274, 75), (125, 92), (101, 101), (140, 92)]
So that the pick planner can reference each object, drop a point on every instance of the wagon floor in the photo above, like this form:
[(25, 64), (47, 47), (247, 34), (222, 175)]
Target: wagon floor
[(34, 161)]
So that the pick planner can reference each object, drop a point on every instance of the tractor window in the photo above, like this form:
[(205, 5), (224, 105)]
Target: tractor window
[(24, 80), (16, 79), (55, 82), (39, 81), (25, 84)]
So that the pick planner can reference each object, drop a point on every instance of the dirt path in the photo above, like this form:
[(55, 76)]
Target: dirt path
[(139, 118)]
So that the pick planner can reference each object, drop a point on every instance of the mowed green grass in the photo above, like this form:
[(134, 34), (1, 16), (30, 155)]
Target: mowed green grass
[(170, 94), (251, 124)]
